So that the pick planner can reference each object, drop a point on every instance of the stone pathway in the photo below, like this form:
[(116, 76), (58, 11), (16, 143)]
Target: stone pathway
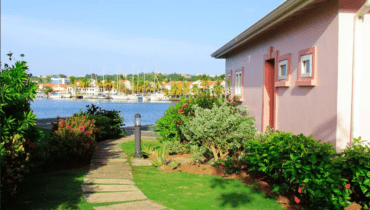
[(110, 179)]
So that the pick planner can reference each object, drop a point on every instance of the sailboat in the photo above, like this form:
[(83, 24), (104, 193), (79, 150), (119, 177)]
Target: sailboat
[(117, 95), (158, 96)]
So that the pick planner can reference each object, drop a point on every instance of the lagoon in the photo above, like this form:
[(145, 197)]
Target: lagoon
[(51, 108)]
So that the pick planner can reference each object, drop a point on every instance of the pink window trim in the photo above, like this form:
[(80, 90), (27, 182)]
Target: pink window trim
[(242, 91), (284, 82), (307, 81)]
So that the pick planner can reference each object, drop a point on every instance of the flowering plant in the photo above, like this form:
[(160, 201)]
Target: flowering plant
[(74, 138)]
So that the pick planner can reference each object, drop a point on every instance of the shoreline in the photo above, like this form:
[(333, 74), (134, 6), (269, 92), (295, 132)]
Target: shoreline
[(45, 123)]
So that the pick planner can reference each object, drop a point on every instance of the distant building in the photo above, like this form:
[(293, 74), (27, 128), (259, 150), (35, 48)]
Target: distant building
[(158, 72), (187, 76), (197, 74), (58, 80), (212, 75)]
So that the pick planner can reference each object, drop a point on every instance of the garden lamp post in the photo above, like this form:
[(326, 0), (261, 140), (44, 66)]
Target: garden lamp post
[(137, 136)]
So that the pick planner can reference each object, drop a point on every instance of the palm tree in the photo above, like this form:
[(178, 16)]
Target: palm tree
[(165, 92), (195, 89), (99, 83), (73, 83), (175, 89), (85, 82), (108, 85), (185, 88), (218, 89), (204, 81)]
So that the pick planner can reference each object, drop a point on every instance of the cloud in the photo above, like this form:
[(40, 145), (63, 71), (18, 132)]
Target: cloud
[(50, 34)]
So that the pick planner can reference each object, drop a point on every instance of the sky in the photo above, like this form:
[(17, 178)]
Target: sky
[(73, 37)]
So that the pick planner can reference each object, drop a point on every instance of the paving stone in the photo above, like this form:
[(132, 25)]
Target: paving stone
[(147, 205), (110, 167), (140, 162), (108, 188), (110, 176), (113, 197), (108, 160), (108, 181)]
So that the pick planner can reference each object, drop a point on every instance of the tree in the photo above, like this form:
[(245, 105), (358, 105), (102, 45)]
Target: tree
[(108, 85), (175, 89), (204, 81), (47, 90), (218, 89), (73, 83), (185, 88), (195, 89)]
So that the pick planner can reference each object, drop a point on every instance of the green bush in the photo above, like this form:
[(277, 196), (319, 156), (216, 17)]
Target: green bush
[(175, 116), (74, 139), (18, 127), (231, 164), (196, 153), (175, 147), (303, 166), (355, 166), (115, 120), (222, 129), (102, 123)]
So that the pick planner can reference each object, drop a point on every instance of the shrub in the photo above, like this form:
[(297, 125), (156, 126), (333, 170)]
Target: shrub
[(196, 153), (175, 116), (18, 127), (175, 147), (102, 123), (222, 129), (231, 164), (74, 139), (355, 166), (158, 158), (305, 164), (115, 120)]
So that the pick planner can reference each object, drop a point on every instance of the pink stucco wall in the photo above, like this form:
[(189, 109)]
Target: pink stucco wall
[(308, 110)]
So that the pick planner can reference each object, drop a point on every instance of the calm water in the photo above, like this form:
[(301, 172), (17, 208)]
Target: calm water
[(50, 108)]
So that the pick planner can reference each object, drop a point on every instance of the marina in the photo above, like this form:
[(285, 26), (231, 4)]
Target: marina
[(52, 108)]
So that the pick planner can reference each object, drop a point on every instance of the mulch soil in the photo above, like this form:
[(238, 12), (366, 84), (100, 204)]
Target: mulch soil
[(261, 180)]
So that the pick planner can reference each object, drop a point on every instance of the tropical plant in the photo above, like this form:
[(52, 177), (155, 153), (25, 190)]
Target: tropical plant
[(204, 81), (73, 138), (158, 158), (85, 82), (18, 127), (196, 153), (175, 89), (47, 90), (73, 83), (108, 84), (185, 88), (354, 162), (195, 89), (222, 129), (175, 147), (115, 120)]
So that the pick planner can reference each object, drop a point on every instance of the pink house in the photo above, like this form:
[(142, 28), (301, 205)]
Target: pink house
[(303, 69)]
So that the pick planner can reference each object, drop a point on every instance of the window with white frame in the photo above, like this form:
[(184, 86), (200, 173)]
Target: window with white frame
[(283, 69), (306, 66), (238, 83)]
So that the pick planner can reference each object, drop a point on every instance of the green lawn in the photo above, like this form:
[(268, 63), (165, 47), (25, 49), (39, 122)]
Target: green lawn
[(192, 191), (129, 147)]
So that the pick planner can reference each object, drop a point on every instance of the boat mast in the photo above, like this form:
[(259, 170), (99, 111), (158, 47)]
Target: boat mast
[(144, 82), (133, 73), (103, 78)]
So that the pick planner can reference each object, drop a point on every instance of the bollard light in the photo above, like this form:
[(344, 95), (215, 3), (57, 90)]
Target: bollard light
[(137, 136), (137, 119)]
